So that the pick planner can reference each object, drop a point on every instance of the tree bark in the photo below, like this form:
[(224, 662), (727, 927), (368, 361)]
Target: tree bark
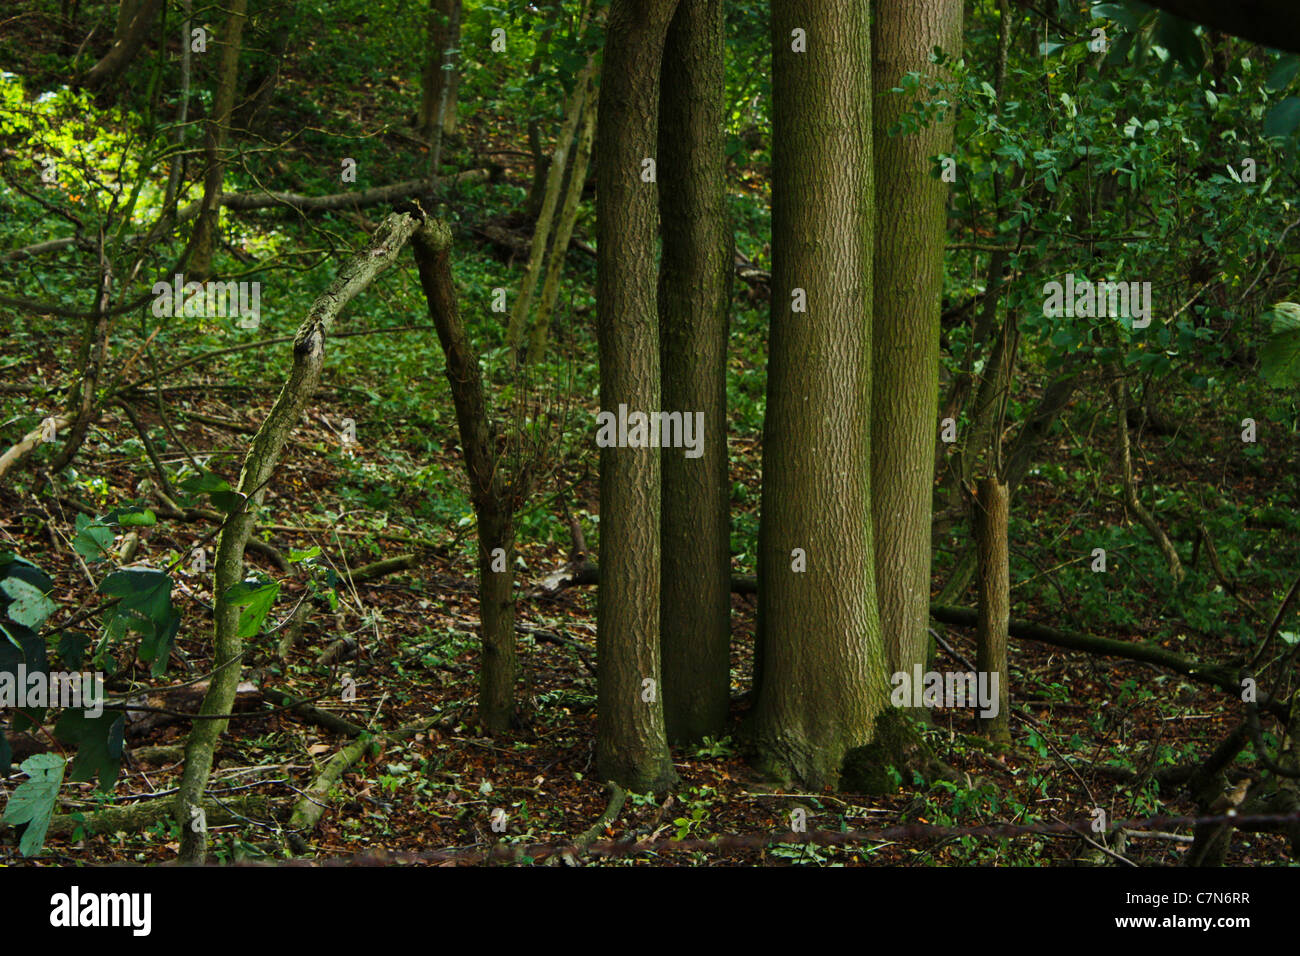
[(127, 42), (821, 681), (543, 228), (577, 178), (694, 287), (492, 491), (994, 599), (204, 238), (631, 746), (440, 85), (258, 469), (911, 205)]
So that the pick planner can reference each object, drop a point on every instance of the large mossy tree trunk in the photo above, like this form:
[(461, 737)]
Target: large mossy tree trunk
[(911, 207), (632, 749), (694, 287), (821, 681)]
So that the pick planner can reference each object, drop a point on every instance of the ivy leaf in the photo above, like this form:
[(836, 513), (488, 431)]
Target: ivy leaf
[(99, 744), (256, 600), (32, 802)]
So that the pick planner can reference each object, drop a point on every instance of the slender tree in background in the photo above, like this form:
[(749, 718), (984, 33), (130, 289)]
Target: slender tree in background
[(821, 681), (910, 209), (631, 747), (441, 80), (993, 598), (204, 238), (694, 287)]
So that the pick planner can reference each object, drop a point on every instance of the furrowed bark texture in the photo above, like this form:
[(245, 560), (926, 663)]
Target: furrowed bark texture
[(821, 680), (911, 205), (631, 746), (694, 292)]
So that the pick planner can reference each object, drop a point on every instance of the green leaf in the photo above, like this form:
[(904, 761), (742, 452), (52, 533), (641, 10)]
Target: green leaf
[(32, 802), (256, 600), (1283, 73), (72, 648), (99, 744), (1178, 36), (1283, 118), (132, 517), (216, 488), (29, 606), (1279, 359), (146, 608), (92, 539)]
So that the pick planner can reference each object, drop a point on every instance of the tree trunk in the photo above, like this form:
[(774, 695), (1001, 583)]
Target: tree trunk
[(543, 228), (574, 183), (994, 599), (491, 488), (821, 681), (549, 12), (437, 115), (204, 239), (1131, 499), (911, 207), (694, 287), (631, 747), (127, 42), (126, 10), (258, 468)]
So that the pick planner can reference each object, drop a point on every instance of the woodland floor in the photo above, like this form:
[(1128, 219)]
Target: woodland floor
[(415, 631), (417, 657)]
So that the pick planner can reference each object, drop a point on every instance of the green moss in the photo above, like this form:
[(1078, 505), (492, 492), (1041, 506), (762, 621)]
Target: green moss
[(896, 744)]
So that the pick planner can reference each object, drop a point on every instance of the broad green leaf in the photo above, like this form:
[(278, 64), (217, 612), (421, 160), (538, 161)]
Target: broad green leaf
[(99, 744), (132, 517), (92, 539), (1283, 73), (1283, 118), (28, 607), (256, 600), (32, 802), (1178, 36), (146, 608), (216, 488)]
